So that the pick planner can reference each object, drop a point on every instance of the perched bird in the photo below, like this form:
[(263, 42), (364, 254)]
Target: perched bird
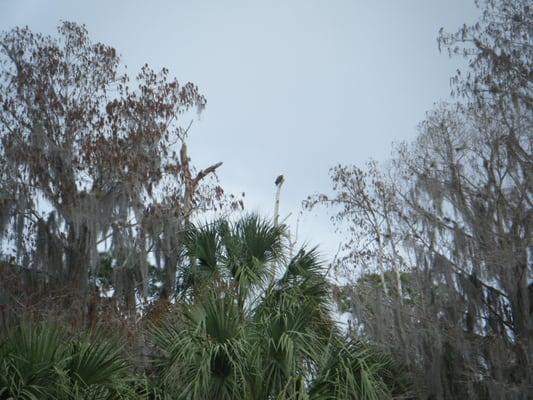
[(279, 180)]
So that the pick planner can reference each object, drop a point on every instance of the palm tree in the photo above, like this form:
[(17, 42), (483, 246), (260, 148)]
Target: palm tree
[(238, 335), (40, 361)]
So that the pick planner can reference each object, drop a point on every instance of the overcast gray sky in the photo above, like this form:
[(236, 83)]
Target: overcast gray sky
[(293, 87)]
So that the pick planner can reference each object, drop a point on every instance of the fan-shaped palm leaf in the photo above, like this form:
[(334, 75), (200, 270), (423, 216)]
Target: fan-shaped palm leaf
[(206, 357), (252, 245), (30, 356), (356, 371), (97, 368), (37, 361)]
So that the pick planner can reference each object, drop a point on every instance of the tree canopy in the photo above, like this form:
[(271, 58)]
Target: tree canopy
[(94, 163), (446, 225)]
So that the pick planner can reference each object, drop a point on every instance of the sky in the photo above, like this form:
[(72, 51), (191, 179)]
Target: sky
[(293, 87)]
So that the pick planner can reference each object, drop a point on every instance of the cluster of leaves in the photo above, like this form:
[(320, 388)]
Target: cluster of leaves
[(37, 361)]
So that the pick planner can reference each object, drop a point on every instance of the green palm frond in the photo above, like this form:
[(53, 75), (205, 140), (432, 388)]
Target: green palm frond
[(37, 361), (252, 245), (203, 246), (305, 265), (30, 358), (357, 371), (207, 356), (97, 366), (203, 251)]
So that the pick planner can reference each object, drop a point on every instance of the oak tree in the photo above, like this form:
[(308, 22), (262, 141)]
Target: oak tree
[(91, 161)]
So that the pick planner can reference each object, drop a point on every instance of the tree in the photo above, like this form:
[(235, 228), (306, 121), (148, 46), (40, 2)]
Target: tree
[(498, 49), (462, 221), (238, 335), (368, 204), (89, 161)]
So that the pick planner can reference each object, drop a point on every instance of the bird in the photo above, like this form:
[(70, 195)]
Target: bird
[(279, 180)]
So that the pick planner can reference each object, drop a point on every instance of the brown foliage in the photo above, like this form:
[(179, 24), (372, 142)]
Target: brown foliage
[(92, 159)]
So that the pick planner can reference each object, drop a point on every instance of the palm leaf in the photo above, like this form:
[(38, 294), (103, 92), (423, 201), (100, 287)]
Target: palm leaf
[(97, 364), (206, 356)]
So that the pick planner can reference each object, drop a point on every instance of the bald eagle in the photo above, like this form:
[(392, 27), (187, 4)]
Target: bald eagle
[(279, 180)]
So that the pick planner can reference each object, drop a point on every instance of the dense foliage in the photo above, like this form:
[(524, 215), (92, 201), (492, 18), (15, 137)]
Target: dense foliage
[(42, 362), (93, 162), (241, 334), (236, 333)]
